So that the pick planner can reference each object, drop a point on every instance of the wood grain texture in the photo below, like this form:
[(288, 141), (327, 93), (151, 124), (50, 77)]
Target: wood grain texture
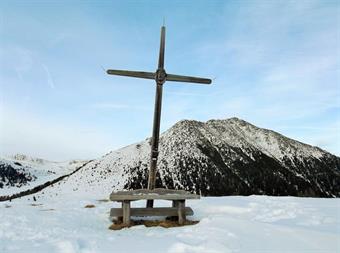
[(181, 212), (126, 212)]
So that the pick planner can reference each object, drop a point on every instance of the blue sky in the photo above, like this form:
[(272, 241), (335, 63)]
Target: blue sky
[(274, 64)]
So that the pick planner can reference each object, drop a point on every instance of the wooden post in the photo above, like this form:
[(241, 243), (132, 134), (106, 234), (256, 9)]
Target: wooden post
[(181, 212), (126, 212), (155, 141), (119, 220), (174, 203)]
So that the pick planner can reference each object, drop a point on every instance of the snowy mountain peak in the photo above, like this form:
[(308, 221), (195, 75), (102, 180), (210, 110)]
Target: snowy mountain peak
[(242, 134)]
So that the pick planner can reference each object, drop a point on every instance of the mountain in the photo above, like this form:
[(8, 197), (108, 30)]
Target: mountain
[(14, 174), (215, 158), (21, 172)]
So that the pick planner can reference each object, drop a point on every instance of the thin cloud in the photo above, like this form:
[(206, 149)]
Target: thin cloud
[(50, 81)]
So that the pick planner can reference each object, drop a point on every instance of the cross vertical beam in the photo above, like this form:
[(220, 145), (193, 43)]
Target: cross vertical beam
[(161, 49), (160, 79), (155, 136)]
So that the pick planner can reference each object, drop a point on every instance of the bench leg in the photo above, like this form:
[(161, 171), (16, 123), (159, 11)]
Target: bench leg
[(120, 219), (181, 212), (173, 218), (126, 212)]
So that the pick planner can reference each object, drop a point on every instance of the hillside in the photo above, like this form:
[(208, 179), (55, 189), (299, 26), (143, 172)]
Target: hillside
[(216, 158), (21, 172)]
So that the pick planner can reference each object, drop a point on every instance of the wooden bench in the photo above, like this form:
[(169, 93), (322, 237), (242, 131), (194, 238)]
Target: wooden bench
[(177, 197)]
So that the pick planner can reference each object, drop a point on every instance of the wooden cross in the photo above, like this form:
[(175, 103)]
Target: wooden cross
[(160, 76)]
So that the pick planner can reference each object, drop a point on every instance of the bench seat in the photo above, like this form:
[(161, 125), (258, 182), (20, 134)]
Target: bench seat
[(155, 211), (158, 193)]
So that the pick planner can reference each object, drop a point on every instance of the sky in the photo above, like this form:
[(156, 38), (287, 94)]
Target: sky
[(274, 64)]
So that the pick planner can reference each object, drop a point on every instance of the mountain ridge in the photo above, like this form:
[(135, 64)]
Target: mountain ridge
[(213, 158)]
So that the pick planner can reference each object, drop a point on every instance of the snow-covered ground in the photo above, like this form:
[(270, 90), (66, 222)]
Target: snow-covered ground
[(227, 224)]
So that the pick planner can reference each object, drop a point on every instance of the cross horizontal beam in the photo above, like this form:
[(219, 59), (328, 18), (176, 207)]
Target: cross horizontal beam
[(150, 75), (187, 79), (138, 74)]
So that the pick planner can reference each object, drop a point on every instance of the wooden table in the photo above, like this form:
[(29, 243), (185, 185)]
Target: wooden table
[(177, 197)]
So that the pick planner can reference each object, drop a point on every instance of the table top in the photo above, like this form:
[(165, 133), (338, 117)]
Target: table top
[(157, 193)]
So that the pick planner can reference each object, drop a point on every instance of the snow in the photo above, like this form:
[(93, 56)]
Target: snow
[(227, 224)]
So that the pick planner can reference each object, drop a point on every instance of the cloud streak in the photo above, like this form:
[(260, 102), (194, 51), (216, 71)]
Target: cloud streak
[(50, 81)]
